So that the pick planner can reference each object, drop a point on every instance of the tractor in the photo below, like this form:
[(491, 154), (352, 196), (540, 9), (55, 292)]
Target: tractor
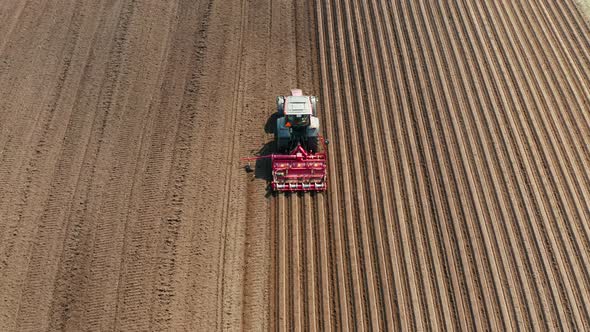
[(298, 164), (297, 123)]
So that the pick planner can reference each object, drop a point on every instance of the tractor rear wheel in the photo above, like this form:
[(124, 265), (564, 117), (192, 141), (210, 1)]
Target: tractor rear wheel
[(282, 145), (312, 144)]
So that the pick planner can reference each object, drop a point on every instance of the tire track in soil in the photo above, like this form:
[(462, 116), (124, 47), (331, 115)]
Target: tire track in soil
[(44, 257), (81, 215), (237, 103), (143, 204), (27, 138), (15, 19), (252, 91), (26, 88), (18, 252), (213, 228)]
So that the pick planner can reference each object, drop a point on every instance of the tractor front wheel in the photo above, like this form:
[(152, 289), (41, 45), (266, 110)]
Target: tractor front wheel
[(281, 105)]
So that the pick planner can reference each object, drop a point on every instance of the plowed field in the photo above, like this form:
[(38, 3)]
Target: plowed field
[(459, 166)]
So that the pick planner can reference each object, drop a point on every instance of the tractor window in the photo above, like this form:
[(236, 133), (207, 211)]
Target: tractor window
[(298, 120)]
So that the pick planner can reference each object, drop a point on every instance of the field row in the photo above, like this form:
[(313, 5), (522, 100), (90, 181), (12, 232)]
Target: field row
[(458, 170)]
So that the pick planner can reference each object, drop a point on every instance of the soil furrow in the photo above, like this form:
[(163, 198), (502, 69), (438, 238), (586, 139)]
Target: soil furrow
[(351, 183), (575, 34), (331, 106), (282, 258), (483, 215), (510, 152), (480, 142), (447, 163), (421, 193), (381, 139), (365, 154), (481, 88), (365, 296), (406, 103), (519, 175), (460, 133), (379, 46), (536, 138), (561, 99), (569, 232), (297, 270)]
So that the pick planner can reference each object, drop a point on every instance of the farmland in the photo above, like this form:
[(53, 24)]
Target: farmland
[(459, 178)]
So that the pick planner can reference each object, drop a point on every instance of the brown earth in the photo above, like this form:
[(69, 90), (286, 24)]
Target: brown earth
[(459, 166)]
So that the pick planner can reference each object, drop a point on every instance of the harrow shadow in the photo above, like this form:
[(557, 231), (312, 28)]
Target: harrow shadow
[(263, 167)]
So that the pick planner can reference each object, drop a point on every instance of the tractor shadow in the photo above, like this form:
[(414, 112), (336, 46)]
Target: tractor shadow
[(271, 123), (262, 168)]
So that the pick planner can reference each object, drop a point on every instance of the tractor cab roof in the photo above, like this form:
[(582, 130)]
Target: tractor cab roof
[(298, 105)]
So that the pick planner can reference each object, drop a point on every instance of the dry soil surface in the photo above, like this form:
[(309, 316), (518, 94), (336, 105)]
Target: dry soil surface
[(459, 188)]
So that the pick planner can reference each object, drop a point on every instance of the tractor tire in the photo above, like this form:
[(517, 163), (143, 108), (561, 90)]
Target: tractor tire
[(313, 144), (314, 105), (281, 105), (282, 145)]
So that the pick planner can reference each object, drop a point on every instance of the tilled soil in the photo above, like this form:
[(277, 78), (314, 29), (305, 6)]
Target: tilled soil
[(459, 189), (459, 183), (121, 126)]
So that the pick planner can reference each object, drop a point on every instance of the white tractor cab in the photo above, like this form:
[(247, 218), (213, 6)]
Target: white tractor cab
[(297, 122)]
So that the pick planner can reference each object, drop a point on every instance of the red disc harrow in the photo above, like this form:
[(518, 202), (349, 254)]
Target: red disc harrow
[(299, 170)]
